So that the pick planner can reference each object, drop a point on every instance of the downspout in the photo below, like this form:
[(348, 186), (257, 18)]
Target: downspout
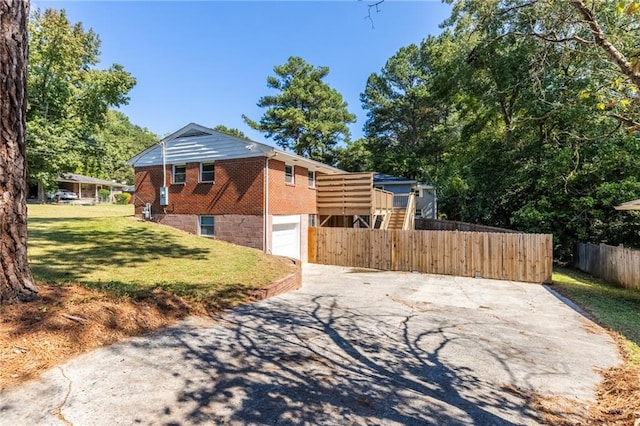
[(164, 164), (266, 205)]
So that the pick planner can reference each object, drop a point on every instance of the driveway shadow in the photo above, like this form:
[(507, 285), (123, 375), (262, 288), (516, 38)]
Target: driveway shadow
[(321, 364)]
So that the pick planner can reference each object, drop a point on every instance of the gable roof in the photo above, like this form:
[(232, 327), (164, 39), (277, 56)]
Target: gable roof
[(195, 144), (76, 178), (382, 178)]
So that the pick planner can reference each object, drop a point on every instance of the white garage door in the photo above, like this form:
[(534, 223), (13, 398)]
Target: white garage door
[(286, 239)]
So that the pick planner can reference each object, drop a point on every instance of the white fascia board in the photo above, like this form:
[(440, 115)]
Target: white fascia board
[(296, 160), (629, 205), (423, 185)]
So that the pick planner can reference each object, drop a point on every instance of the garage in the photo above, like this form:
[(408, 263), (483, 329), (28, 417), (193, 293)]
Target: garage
[(285, 236)]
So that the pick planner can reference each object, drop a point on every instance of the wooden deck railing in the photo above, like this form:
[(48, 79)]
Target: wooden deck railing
[(347, 194), (382, 201)]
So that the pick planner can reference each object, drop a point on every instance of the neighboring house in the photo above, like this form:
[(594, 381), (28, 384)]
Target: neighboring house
[(397, 185), (426, 200), (87, 187), (217, 185)]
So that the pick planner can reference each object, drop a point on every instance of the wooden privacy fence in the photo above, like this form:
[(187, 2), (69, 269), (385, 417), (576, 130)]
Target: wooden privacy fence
[(515, 257), (617, 264), (453, 225)]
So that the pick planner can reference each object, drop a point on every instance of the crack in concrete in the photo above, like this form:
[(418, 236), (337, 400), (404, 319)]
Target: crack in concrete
[(407, 318), (58, 411), (411, 306)]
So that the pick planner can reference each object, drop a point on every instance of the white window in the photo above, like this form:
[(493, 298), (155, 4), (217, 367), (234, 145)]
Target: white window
[(207, 172), (179, 174), (207, 226), (312, 179), (288, 174)]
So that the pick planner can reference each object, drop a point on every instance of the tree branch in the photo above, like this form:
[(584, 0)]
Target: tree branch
[(372, 6), (516, 7), (553, 39), (632, 124), (601, 40)]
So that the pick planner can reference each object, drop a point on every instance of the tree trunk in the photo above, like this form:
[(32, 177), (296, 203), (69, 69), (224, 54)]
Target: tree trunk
[(16, 282)]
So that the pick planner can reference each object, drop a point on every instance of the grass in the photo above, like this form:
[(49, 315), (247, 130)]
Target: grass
[(103, 276), (105, 248), (616, 308)]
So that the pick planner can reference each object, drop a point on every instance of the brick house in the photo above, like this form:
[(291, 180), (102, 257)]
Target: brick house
[(237, 190)]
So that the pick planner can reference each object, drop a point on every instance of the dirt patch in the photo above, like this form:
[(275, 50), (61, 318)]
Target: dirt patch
[(554, 410), (616, 402), (591, 327), (618, 397), (69, 320), (64, 321)]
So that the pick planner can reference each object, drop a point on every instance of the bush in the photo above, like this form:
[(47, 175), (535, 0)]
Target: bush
[(123, 198), (103, 195)]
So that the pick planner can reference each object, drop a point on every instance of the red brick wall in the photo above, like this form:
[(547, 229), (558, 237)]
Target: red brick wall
[(236, 198), (290, 199), (291, 282), (238, 189)]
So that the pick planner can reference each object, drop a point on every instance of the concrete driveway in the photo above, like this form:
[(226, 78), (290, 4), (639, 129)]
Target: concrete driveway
[(350, 347)]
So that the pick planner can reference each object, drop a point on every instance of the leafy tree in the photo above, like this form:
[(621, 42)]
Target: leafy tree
[(112, 145), (533, 123), (307, 116), (230, 131), (69, 97), (538, 148), (16, 281), (403, 115), (607, 30), (355, 156)]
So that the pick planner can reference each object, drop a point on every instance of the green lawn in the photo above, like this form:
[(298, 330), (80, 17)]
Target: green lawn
[(614, 307), (104, 247)]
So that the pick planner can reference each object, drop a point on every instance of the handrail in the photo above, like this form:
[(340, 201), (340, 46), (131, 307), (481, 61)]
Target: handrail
[(410, 212)]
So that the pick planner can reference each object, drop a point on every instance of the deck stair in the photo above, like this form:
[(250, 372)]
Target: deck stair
[(397, 218), (403, 213)]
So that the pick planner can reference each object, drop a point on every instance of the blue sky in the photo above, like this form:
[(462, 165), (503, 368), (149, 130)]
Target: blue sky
[(207, 61)]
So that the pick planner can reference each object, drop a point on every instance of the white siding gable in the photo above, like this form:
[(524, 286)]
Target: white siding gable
[(198, 144), (193, 149)]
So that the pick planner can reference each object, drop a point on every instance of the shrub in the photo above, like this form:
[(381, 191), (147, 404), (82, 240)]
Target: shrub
[(103, 195), (123, 198)]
